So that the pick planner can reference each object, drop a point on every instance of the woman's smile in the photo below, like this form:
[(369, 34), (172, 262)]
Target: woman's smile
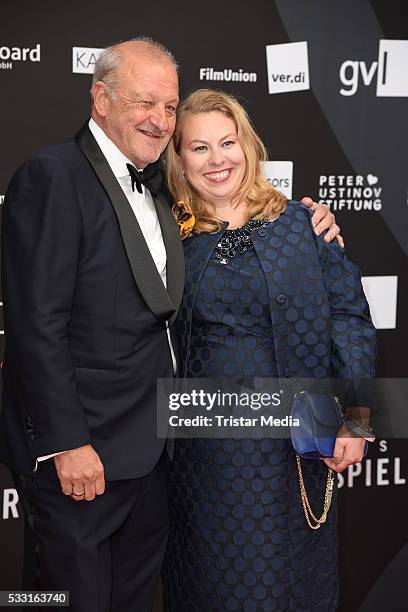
[(218, 176)]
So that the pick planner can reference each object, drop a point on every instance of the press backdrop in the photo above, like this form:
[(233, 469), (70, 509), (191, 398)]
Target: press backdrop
[(326, 84)]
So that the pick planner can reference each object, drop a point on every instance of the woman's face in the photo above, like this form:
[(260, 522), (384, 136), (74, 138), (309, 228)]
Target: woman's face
[(211, 156)]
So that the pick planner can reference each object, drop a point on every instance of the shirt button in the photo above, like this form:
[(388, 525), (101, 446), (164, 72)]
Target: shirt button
[(262, 233), (281, 298)]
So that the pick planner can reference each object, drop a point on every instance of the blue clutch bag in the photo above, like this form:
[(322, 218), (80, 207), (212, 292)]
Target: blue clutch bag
[(320, 419)]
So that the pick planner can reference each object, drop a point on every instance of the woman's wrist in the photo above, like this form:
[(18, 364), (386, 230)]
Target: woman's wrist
[(363, 430)]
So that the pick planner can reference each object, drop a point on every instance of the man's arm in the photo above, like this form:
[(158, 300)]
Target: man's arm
[(41, 233)]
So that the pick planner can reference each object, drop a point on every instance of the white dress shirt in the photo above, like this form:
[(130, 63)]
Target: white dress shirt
[(145, 212)]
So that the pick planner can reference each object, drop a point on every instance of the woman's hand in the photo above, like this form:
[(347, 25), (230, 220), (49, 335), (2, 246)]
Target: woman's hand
[(348, 450)]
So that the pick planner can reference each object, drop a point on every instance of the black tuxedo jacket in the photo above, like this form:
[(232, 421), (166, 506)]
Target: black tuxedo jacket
[(85, 314)]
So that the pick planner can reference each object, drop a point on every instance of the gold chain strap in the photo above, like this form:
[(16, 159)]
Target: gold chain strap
[(318, 522)]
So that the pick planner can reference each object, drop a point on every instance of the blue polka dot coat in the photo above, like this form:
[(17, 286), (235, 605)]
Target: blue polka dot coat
[(294, 307)]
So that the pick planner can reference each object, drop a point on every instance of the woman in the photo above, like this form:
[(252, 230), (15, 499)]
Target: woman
[(263, 297)]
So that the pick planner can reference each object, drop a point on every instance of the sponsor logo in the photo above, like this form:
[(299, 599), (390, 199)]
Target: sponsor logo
[(8, 55), (10, 501), (84, 59), (227, 74), (380, 472), (350, 192), (280, 175), (390, 69), (382, 293), (288, 67)]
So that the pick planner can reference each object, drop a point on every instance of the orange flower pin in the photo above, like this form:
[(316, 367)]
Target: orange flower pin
[(185, 218)]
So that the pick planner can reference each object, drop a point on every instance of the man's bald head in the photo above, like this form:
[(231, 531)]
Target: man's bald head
[(110, 60)]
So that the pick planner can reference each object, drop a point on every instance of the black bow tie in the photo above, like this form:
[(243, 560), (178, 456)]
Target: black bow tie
[(151, 177)]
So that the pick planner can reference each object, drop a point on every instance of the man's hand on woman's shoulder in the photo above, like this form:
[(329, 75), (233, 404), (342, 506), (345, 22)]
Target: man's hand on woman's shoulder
[(323, 219)]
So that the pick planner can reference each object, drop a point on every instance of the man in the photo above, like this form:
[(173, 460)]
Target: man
[(92, 276)]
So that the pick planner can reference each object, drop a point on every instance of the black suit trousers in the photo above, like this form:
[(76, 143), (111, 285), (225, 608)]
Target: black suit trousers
[(108, 552)]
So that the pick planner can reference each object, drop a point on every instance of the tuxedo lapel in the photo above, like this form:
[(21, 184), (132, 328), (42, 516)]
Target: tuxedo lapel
[(174, 250), (141, 262)]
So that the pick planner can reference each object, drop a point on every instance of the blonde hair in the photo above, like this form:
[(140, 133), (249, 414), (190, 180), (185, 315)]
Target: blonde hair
[(264, 201)]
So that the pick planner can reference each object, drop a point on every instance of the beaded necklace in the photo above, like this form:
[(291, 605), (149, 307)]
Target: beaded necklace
[(237, 241)]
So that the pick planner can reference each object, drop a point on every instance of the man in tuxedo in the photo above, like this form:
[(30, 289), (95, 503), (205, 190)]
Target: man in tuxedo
[(93, 276), (93, 272)]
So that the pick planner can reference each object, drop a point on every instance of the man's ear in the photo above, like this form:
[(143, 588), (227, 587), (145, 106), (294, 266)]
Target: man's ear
[(101, 99)]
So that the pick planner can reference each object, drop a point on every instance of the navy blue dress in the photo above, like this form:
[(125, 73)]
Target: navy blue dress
[(238, 536)]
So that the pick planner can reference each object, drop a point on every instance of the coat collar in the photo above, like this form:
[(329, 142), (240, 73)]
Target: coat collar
[(163, 303)]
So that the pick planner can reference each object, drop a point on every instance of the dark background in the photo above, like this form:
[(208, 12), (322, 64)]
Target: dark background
[(321, 131)]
